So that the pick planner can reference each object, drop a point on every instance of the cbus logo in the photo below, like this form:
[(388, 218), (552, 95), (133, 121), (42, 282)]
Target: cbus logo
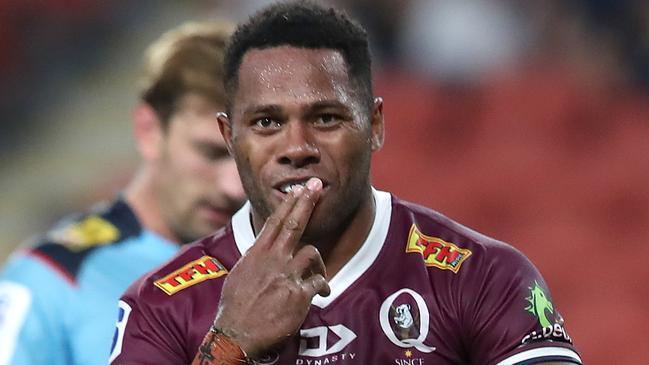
[(191, 274), (435, 251)]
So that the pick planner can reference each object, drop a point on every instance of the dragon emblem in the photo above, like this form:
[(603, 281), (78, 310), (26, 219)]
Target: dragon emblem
[(539, 303)]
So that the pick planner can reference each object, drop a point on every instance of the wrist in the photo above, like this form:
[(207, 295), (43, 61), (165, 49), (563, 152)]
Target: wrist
[(243, 339), (218, 348)]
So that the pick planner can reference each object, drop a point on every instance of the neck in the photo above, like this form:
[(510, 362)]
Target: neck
[(140, 195), (338, 251)]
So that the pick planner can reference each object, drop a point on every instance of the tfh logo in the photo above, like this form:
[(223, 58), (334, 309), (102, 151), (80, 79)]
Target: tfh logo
[(346, 336)]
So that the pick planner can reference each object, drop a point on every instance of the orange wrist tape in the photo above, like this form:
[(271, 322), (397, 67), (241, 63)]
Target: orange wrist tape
[(219, 349)]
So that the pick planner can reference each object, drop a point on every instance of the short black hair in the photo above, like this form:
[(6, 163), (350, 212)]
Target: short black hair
[(302, 24)]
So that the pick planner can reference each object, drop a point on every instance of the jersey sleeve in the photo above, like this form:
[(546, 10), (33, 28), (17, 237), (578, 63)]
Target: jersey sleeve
[(511, 317), (31, 319), (140, 338)]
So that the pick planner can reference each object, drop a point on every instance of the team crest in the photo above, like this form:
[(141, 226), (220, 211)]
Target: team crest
[(435, 251), (90, 231), (195, 272), (404, 319)]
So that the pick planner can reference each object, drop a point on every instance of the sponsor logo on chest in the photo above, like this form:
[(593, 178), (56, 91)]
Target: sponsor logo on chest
[(435, 251), (195, 272), (325, 345)]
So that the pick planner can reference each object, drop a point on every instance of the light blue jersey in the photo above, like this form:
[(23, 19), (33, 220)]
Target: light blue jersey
[(58, 300)]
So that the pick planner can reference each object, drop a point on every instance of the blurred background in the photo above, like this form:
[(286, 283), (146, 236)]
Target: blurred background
[(528, 121)]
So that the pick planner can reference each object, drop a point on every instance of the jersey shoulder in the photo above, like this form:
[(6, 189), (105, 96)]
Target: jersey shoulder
[(505, 306), (173, 306), (66, 246), (447, 244), (196, 263)]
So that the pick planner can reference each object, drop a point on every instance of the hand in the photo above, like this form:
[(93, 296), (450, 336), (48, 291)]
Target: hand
[(267, 294)]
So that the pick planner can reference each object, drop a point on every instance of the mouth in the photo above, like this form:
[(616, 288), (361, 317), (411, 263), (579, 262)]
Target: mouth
[(287, 186)]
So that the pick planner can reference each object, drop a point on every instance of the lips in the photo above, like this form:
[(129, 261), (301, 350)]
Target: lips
[(287, 185)]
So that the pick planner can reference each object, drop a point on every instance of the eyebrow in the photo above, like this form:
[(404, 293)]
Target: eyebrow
[(310, 108), (324, 104), (263, 109)]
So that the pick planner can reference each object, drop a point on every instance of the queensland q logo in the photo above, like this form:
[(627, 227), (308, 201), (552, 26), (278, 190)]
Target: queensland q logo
[(404, 318)]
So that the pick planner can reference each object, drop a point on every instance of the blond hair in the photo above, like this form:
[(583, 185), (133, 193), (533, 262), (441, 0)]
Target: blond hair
[(186, 59)]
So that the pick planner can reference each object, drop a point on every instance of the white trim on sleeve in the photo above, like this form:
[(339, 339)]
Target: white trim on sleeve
[(540, 353)]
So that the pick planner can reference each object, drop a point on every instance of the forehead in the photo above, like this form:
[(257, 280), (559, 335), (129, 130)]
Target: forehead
[(282, 75)]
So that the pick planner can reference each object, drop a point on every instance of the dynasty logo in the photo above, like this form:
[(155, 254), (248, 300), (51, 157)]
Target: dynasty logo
[(316, 342), (197, 271), (435, 251)]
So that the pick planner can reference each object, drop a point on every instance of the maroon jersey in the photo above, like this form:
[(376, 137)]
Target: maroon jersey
[(421, 290)]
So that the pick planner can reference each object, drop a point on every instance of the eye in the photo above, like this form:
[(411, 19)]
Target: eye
[(267, 123), (328, 119)]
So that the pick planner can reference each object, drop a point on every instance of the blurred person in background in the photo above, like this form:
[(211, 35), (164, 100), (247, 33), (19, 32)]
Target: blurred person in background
[(58, 299)]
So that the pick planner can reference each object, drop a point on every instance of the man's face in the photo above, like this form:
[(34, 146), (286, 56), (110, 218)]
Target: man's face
[(198, 187), (296, 115)]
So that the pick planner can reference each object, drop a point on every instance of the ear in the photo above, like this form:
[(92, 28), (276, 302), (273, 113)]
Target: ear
[(378, 131), (225, 126), (148, 131)]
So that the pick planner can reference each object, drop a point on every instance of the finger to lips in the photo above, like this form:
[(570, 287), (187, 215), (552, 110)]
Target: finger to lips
[(274, 223), (297, 219)]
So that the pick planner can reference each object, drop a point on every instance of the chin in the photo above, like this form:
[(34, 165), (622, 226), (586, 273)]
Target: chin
[(320, 228)]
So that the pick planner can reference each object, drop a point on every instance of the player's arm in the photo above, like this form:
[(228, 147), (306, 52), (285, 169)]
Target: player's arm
[(511, 317), (273, 282), (140, 339)]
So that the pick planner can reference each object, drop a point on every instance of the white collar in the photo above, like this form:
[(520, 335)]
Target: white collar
[(244, 238)]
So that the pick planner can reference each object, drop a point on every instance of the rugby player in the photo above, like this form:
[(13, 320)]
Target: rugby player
[(58, 300), (319, 267)]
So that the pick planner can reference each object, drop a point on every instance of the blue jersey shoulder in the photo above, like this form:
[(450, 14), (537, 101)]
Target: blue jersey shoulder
[(69, 243)]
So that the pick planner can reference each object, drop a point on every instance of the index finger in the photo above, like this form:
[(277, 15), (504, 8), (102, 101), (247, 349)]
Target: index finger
[(298, 217), (274, 223)]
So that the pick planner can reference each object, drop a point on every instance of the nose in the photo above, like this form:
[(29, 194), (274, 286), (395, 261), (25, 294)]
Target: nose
[(298, 149)]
